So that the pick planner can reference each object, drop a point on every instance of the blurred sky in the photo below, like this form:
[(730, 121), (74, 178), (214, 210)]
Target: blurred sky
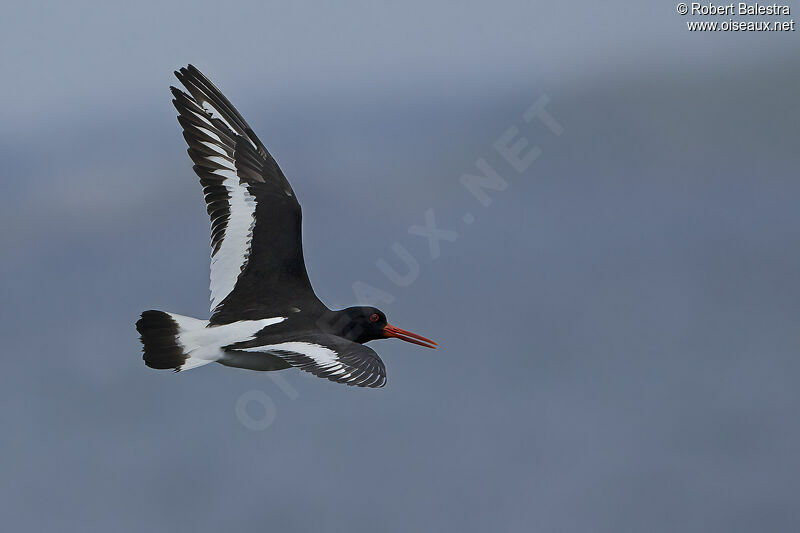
[(618, 328)]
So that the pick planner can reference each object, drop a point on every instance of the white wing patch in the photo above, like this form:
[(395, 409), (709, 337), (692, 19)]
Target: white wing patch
[(325, 358), (230, 259), (353, 365)]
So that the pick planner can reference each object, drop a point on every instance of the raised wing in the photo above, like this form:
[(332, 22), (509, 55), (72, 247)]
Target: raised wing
[(325, 356), (257, 265)]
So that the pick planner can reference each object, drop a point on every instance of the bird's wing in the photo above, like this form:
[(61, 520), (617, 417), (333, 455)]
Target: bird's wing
[(257, 265), (324, 355)]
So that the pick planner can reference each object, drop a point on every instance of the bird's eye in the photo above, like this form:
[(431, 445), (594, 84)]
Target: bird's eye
[(374, 317)]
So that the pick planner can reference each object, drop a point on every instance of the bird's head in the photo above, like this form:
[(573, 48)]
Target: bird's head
[(363, 324)]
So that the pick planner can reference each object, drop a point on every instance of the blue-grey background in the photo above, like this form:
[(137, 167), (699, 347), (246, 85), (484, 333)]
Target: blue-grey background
[(618, 330)]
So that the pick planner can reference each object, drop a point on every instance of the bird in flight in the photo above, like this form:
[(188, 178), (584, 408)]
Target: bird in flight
[(264, 312)]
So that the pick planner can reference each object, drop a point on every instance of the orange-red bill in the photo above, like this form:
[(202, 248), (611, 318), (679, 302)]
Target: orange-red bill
[(392, 331)]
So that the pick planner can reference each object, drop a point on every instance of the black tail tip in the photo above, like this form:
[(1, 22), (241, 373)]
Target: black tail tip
[(159, 335)]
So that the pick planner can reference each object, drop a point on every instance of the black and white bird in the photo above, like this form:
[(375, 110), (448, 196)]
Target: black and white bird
[(264, 312)]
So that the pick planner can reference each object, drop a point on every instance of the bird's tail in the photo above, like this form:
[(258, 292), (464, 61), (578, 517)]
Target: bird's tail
[(171, 341)]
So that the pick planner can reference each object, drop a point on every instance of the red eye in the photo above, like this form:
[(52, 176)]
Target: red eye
[(374, 317)]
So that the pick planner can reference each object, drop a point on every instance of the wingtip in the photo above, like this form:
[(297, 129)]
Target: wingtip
[(188, 71), (182, 74)]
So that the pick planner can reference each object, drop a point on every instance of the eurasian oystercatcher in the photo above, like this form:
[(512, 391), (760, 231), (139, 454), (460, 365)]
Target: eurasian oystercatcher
[(264, 312)]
